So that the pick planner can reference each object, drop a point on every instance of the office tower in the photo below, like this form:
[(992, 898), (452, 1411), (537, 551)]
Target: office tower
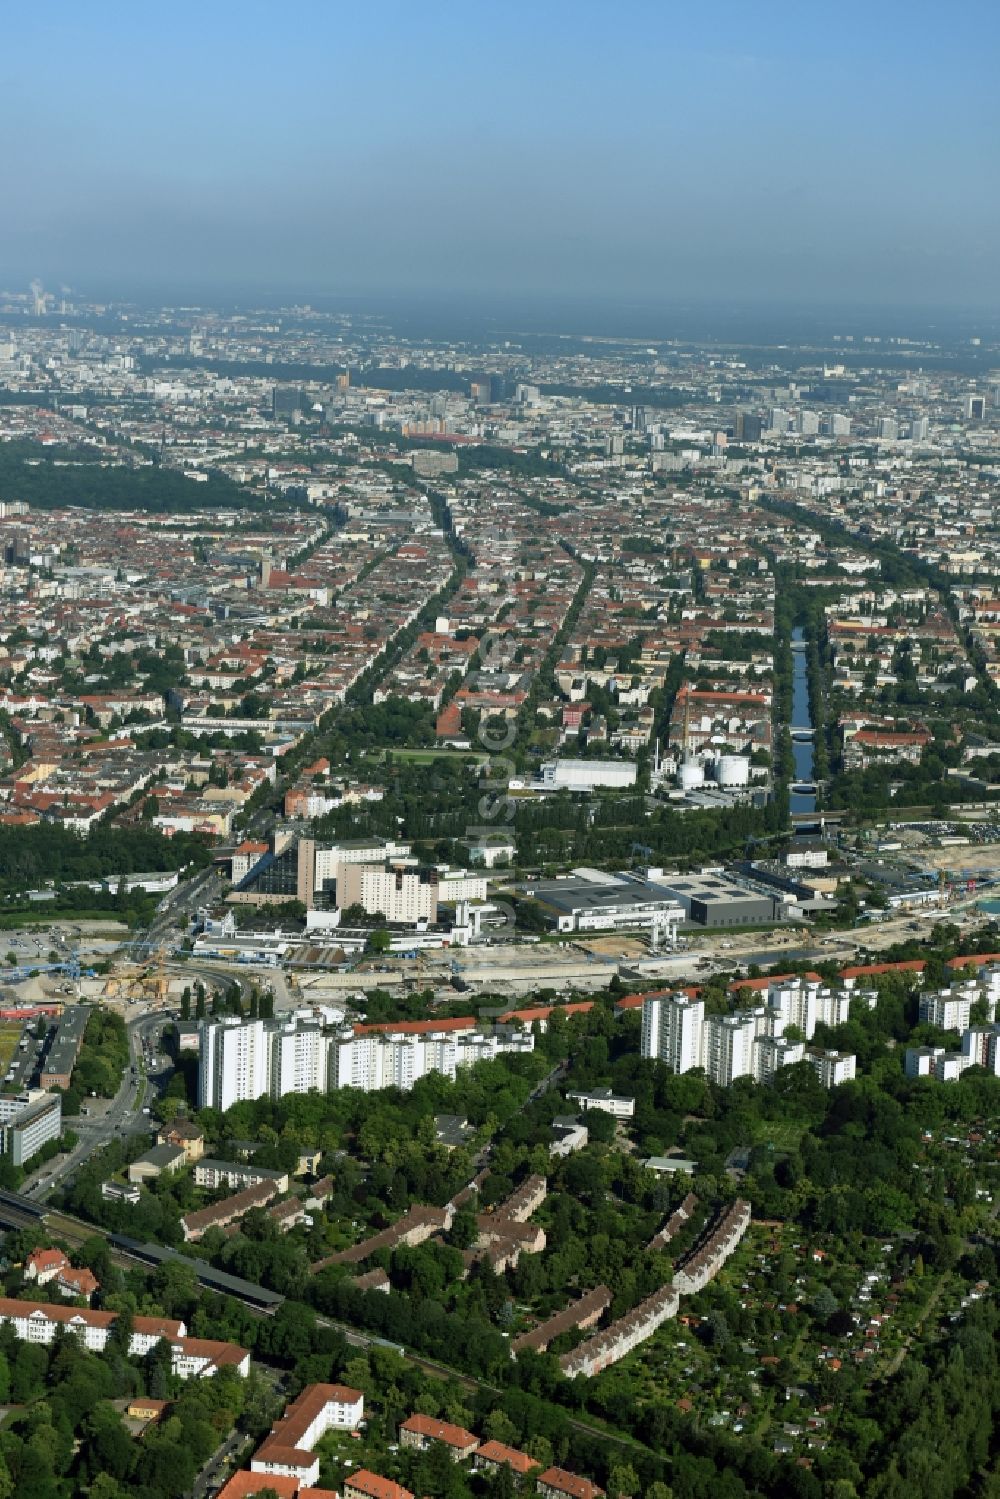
[(888, 428), (614, 445), (975, 408), (919, 427), (808, 423), (840, 426), (285, 401), (673, 1030), (746, 427), (777, 420), (638, 418)]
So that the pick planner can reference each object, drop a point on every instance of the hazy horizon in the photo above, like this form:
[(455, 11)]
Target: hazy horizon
[(629, 155)]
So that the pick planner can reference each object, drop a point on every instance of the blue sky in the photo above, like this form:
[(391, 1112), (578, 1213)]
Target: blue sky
[(751, 151)]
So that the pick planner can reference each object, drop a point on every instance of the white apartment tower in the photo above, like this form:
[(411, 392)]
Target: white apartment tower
[(729, 1046), (234, 1063), (673, 1027)]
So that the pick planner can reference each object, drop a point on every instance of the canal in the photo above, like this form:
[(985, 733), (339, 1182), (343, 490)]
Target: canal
[(802, 750)]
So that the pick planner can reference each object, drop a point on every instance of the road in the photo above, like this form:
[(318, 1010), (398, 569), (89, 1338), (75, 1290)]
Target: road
[(99, 1127), (220, 1465)]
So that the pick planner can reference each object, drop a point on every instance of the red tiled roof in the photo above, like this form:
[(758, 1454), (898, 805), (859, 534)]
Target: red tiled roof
[(569, 1483), (542, 1012), (417, 1027), (374, 1486), (974, 960), (498, 1452), (440, 1431), (759, 985), (873, 970)]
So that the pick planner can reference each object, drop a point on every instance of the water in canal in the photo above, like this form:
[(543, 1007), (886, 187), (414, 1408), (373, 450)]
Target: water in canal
[(802, 750)]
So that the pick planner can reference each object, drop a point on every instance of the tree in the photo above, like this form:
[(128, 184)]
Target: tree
[(500, 1428), (379, 941), (623, 1481), (30, 1366)]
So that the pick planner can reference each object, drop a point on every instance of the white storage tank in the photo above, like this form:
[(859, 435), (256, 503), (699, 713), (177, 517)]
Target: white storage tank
[(732, 770), (691, 774)]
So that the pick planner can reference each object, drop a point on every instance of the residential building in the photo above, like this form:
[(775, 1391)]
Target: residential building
[(673, 1030), (233, 1058), (420, 1431), (186, 1135), (161, 1160), (607, 1347), (709, 1255), (57, 1069), (363, 1484), (773, 1052), (951, 1010), (556, 1483), (605, 1101), (287, 1451), (729, 1046), (229, 1210), (834, 1067), (214, 1174), (493, 1455), (38, 1322), (919, 1061), (402, 896)]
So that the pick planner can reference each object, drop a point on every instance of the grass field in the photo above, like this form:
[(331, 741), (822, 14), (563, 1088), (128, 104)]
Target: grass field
[(424, 756), (783, 1134), (10, 1034)]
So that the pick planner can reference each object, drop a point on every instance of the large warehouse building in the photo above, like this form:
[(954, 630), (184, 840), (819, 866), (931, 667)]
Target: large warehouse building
[(591, 901), (718, 900)]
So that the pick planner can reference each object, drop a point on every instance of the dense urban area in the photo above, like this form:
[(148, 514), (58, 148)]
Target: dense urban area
[(500, 889)]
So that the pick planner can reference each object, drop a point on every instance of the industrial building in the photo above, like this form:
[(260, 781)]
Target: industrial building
[(587, 775), (590, 900), (714, 899)]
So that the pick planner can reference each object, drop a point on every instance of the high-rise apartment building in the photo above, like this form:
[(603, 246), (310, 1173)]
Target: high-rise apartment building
[(729, 1046), (673, 1031), (243, 1060)]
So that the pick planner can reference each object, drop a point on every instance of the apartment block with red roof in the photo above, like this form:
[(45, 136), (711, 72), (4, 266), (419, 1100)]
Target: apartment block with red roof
[(420, 1431)]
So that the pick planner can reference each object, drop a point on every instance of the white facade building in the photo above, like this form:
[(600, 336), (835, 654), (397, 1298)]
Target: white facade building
[(585, 775), (951, 1010), (234, 1063), (729, 1046), (806, 1004), (403, 896), (398, 1059), (673, 1027), (773, 1052), (834, 1067), (298, 1060)]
